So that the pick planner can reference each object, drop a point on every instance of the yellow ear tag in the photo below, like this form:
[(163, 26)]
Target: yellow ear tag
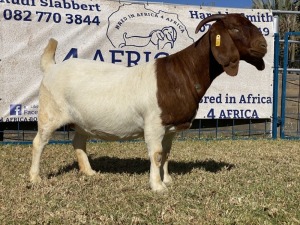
[(218, 40)]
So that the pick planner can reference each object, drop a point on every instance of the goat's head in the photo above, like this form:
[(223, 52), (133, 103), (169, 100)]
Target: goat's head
[(232, 38)]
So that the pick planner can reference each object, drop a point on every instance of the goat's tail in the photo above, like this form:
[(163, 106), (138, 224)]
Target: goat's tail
[(48, 57)]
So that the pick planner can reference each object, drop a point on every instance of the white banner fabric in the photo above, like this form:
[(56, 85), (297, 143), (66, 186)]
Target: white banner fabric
[(124, 33)]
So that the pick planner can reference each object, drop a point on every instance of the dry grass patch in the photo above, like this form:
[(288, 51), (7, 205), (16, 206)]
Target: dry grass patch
[(215, 182)]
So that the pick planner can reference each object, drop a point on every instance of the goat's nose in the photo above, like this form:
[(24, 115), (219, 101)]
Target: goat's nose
[(263, 45)]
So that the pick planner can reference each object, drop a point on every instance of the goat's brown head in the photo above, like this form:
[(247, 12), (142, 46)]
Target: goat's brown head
[(232, 38)]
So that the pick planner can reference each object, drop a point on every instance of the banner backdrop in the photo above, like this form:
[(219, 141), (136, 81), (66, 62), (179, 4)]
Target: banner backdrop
[(124, 33)]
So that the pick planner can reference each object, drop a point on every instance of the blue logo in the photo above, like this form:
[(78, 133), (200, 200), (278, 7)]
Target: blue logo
[(15, 110)]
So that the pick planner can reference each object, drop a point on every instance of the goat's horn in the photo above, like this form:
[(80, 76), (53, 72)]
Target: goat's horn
[(209, 19)]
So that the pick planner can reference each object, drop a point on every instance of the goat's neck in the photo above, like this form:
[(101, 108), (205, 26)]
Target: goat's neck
[(199, 67), (182, 80)]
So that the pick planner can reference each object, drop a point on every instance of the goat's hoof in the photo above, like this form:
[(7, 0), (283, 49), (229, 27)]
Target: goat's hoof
[(88, 172), (167, 180), (35, 179), (160, 187)]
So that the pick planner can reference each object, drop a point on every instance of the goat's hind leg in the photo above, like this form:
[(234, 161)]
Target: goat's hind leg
[(39, 142), (46, 127), (79, 144)]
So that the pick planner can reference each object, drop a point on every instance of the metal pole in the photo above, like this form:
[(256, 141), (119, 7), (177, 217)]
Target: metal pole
[(275, 82), (283, 88), (285, 12)]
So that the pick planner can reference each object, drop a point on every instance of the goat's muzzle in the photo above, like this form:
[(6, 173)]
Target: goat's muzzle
[(259, 48), (256, 53)]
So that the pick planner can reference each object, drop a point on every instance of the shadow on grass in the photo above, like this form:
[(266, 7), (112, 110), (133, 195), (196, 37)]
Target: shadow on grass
[(107, 164)]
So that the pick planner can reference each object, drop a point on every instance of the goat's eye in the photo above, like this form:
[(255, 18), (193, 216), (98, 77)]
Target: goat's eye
[(235, 30)]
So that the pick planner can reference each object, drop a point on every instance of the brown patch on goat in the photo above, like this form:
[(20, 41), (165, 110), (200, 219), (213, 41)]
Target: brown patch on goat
[(184, 77), (158, 158), (179, 86)]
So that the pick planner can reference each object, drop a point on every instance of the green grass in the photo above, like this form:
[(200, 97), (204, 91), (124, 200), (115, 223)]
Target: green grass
[(215, 182)]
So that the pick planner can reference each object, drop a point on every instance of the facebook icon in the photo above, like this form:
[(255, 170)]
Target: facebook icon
[(15, 109)]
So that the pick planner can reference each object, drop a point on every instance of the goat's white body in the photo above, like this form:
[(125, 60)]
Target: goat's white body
[(103, 100), (110, 104)]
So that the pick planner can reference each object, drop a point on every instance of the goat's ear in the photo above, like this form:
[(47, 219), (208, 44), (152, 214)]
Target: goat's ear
[(224, 49)]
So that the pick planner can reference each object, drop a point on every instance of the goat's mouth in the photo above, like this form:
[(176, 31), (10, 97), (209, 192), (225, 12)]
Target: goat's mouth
[(258, 62), (255, 56), (258, 53)]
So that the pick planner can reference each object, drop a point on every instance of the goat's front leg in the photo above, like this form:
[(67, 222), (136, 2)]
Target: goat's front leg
[(166, 144), (156, 157), (153, 138), (79, 144)]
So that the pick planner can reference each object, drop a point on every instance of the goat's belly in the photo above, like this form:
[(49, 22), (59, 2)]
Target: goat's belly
[(110, 136), (116, 137), (112, 131)]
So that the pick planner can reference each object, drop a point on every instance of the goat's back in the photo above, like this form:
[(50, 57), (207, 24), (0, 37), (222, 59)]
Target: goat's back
[(104, 99)]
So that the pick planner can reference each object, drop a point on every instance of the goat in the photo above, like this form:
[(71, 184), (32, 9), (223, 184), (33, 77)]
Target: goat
[(154, 100)]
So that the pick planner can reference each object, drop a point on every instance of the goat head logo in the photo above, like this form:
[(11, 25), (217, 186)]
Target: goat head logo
[(159, 30), (160, 38)]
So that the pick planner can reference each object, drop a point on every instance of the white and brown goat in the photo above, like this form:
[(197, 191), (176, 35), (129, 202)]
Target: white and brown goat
[(153, 100)]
